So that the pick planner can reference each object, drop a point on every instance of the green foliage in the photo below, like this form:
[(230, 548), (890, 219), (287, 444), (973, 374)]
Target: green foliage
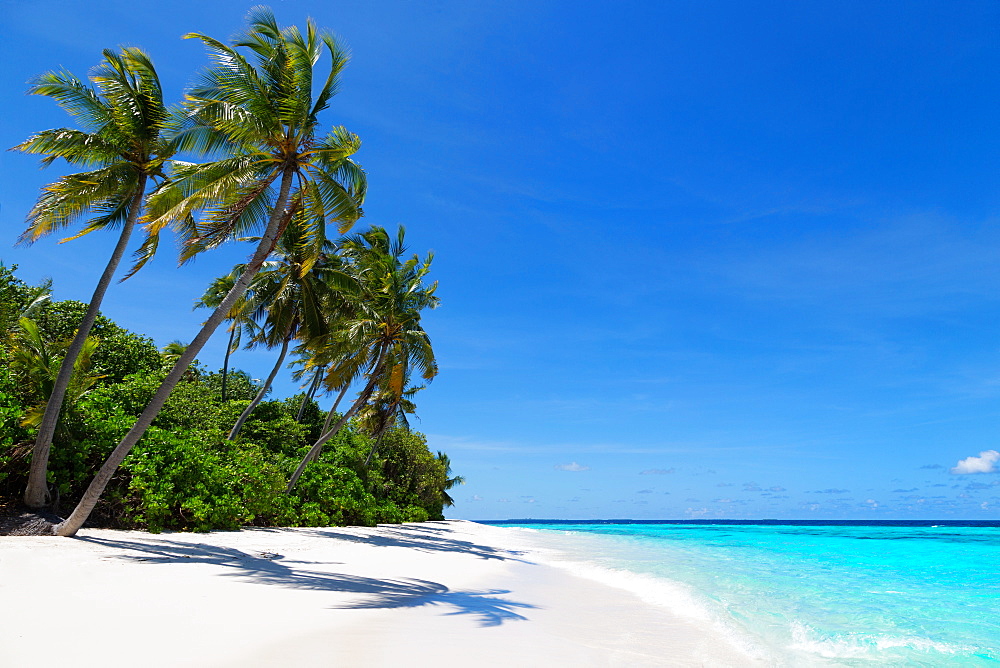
[(199, 481), (18, 299), (239, 385), (36, 361), (122, 353), (410, 474), (184, 474), (271, 426), (13, 437)]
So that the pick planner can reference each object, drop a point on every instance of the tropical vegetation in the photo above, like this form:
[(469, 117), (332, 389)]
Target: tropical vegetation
[(243, 158), (185, 473)]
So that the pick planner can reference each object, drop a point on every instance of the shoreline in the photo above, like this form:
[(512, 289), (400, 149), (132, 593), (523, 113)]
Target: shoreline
[(451, 593)]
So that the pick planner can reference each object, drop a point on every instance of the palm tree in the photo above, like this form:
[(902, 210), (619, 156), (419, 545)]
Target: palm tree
[(446, 499), (172, 351), (124, 147), (263, 118), (214, 296), (288, 297), (37, 362), (384, 338), (388, 408), (311, 390)]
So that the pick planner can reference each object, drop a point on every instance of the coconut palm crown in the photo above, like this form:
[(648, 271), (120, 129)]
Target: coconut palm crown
[(263, 120)]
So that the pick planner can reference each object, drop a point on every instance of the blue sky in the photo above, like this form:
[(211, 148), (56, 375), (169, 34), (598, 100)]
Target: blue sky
[(696, 259)]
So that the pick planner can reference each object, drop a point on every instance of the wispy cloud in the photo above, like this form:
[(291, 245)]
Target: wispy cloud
[(984, 463), (572, 466), (657, 471)]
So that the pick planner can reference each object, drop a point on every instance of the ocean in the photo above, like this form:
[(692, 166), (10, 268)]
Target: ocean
[(833, 593)]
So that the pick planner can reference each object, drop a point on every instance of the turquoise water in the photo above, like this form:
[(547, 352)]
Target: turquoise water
[(844, 595)]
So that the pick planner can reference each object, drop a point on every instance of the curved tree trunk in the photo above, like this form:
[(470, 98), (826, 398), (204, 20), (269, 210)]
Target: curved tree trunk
[(317, 447), (36, 492), (225, 360), (264, 388), (371, 453), (310, 393), (333, 409), (380, 435), (278, 217)]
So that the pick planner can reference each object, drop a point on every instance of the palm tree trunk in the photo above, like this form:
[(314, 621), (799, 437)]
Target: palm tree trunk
[(36, 493), (329, 416), (278, 218), (317, 447), (309, 394), (264, 388), (225, 360), (378, 442)]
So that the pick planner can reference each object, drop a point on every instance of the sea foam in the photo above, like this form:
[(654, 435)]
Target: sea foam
[(678, 598)]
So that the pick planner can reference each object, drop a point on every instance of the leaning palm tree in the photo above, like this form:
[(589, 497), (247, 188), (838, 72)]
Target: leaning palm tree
[(239, 325), (259, 112), (124, 149), (288, 298), (388, 408), (310, 390), (384, 336)]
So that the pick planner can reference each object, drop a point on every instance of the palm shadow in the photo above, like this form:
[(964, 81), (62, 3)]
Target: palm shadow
[(417, 537), (268, 568)]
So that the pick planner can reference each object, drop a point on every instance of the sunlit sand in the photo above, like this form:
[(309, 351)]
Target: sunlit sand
[(434, 594)]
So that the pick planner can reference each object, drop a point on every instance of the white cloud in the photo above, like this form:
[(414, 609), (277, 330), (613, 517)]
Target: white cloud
[(572, 466), (984, 463)]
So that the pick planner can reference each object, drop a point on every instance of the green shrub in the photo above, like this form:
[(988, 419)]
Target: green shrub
[(121, 353), (200, 482)]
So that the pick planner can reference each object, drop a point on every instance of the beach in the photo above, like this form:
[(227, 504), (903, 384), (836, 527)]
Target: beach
[(451, 593)]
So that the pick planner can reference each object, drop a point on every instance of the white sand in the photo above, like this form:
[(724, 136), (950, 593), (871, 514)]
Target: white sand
[(436, 594)]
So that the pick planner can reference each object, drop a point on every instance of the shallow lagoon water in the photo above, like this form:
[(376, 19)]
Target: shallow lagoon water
[(799, 594)]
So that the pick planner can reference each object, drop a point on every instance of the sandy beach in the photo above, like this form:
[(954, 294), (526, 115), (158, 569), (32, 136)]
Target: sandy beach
[(435, 594)]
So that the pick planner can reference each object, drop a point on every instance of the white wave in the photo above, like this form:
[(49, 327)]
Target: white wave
[(680, 599), (865, 646)]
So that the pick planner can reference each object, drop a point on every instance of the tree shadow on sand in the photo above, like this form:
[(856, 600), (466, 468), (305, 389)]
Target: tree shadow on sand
[(268, 568), (417, 537)]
